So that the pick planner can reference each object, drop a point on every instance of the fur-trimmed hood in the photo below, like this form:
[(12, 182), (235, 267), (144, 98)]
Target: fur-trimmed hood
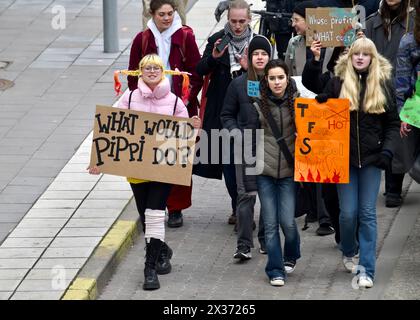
[(385, 68)]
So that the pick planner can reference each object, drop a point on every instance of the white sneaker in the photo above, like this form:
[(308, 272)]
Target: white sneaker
[(289, 266), (263, 250), (365, 281), (277, 282), (349, 263), (242, 253)]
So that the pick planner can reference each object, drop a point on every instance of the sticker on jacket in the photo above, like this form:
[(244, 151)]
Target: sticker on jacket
[(253, 89)]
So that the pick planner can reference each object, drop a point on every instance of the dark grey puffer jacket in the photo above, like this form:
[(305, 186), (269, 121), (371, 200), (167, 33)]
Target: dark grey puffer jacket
[(239, 113), (268, 151)]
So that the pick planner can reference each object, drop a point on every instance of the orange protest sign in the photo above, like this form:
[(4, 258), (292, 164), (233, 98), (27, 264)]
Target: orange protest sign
[(322, 146)]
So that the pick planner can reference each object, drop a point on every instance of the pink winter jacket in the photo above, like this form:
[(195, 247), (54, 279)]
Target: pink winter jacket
[(161, 100)]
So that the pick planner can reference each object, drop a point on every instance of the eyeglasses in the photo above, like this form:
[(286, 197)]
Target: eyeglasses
[(151, 68)]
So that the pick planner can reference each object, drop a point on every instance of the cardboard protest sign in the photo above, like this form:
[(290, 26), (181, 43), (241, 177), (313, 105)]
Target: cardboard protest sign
[(410, 113), (332, 26), (143, 145), (322, 148), (303, 91)]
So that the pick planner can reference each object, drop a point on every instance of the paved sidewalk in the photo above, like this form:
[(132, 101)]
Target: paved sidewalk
[(59, 75)]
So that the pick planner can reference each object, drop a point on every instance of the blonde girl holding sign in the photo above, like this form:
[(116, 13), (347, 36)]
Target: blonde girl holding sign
[(153, 94), (364, 77)]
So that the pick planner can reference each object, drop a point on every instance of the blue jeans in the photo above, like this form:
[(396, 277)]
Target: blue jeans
[(358, 206), (278, 201)]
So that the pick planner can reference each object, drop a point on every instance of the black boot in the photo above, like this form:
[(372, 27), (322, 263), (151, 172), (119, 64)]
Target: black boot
[(151, 281), (175, 219), (164, 264)]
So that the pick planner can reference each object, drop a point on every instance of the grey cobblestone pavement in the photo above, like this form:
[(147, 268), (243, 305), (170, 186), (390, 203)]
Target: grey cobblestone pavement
[(203, 267), (405, 281), (59, 76)]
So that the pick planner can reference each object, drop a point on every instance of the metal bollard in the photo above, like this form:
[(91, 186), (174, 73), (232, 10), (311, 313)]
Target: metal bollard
[(110, 21)]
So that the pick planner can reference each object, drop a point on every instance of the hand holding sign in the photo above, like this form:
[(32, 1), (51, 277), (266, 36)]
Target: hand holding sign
[(93, 170), (404, 129), (316, 49), (410, 113), (196, 122)]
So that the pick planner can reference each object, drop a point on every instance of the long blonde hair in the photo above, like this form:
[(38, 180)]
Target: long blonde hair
[(379, 70)]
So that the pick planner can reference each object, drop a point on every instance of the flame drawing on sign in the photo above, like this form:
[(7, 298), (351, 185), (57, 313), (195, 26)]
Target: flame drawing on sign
[(310, 177), (336, 177), (318, 177)]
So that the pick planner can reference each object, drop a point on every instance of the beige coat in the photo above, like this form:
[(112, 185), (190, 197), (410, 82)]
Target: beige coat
[(295, 56)]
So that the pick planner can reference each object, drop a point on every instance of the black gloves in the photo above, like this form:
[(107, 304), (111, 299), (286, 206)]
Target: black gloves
[(221, 7), (322, 97), (384, 160)]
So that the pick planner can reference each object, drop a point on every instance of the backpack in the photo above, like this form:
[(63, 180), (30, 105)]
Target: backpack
[(146, 36)]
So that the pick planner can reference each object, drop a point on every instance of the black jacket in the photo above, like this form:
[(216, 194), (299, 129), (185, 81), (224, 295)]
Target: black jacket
[(369, 133), (313, 78), (388, 47), (239, 113), (219, 81), (220, 74)]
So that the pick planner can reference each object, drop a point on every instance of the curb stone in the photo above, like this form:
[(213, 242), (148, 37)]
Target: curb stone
[(98, 270)]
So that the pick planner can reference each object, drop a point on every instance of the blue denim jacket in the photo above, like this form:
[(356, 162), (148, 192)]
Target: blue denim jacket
[(407, 68)]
